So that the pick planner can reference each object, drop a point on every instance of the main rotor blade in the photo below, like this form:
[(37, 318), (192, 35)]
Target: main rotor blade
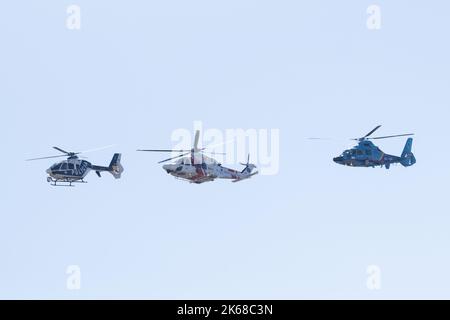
[(197, 138), (195, 147), (97, 149), (371, 132), (394, 136), (153, 150), (69, 154), (320, 139), (181, 155), (214, 153), (213, 146), (61, 150), (50, 157)]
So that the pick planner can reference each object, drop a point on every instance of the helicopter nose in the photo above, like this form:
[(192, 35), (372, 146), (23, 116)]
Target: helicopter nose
[(168, 168), (49, 171), (338, 159)]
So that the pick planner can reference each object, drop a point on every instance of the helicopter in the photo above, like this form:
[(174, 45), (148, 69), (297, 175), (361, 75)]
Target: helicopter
[(367, 154), (74, 170), (195, 167)]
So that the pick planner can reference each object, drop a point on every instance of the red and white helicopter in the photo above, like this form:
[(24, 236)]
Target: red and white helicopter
[(194, 166)]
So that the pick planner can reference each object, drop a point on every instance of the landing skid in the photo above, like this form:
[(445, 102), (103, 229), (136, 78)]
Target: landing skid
[(63, 183)]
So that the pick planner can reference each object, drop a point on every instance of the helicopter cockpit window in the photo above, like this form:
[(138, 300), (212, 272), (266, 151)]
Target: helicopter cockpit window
[(64, 166), (71, 166), (56, 166), (359, 152), (369, 152), (353, 152)]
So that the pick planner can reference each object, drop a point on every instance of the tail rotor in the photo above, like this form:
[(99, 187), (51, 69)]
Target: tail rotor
[(407, 158), (115, 167), (248, 166)]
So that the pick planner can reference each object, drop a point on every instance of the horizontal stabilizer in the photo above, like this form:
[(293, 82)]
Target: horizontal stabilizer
[(246, 177)]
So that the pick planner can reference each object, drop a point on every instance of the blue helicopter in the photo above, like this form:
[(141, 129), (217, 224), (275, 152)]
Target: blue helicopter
[(75, 170), (366, 154)]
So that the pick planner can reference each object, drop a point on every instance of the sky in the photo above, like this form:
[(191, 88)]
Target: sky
[(136, 71)]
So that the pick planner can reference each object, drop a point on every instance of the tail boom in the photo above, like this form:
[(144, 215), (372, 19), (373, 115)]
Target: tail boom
[(115, 167)]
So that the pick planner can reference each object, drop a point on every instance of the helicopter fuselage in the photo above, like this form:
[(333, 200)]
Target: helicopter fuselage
[(205, 171), (74, 170), (356, 160), (199, 168), (69, 170), (366, 154)]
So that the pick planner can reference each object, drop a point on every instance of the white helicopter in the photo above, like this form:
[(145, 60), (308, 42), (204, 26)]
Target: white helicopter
[(194, 166)]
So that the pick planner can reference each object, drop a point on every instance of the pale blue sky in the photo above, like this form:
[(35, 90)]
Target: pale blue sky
[(137, 70)]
